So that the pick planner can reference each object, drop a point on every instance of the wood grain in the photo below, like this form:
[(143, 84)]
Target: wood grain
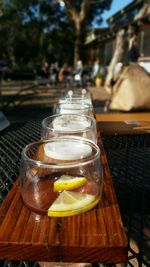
[(94, 236), (142, 116)]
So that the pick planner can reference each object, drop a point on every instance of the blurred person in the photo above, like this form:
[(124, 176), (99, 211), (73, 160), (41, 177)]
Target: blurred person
[(45, 69), (78, 73), (69, 77), (86, 74), (96, 67), (64, 73), (5, 69), (54, 72), (61, 72)]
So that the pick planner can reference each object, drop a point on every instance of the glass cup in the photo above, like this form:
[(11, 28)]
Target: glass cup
[(73, 108), (69, 125), (61, 176), (81, 96), (75, 99), (82, 93)]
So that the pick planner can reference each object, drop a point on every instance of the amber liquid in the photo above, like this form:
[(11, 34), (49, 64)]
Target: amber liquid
[(40, 196)]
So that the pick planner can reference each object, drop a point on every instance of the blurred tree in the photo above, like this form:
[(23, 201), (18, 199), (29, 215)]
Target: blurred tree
[(33, 29), (82, 13), (14, 29)]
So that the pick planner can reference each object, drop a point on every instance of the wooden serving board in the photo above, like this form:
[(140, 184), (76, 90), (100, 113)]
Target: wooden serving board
[(94, 236)]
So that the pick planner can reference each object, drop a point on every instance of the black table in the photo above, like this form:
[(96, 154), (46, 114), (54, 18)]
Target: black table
[(129, 161)]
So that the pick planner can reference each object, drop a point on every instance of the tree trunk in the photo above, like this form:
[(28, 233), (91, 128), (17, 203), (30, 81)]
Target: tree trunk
[(77, 17), (77, 47), (118, 55)]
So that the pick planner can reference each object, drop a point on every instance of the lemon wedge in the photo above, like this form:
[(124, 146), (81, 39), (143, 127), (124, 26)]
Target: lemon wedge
[(67, 182), (72, 203)]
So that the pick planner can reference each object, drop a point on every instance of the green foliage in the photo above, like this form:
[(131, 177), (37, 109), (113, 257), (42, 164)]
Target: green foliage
[(95, 11), (31, 30), (100, 75)]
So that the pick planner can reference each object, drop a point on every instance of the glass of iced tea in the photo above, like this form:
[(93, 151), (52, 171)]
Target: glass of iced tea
[(69, 125), (61, 176)]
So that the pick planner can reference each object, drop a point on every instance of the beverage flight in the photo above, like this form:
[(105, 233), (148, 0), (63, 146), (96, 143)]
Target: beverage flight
[(62, 174)]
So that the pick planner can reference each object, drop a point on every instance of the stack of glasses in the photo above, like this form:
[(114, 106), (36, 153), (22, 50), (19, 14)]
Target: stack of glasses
[(62, 174)]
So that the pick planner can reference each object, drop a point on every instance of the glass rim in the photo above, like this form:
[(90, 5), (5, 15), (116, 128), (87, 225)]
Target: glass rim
[(92, 119), (79, 99), (82, 106), (82, 162), (84, 96)]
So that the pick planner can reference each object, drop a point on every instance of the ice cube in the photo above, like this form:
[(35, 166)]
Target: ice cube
[(63, 150), (70, 123)]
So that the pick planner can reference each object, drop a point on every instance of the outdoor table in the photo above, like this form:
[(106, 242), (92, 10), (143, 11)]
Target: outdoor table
[(94, 236)]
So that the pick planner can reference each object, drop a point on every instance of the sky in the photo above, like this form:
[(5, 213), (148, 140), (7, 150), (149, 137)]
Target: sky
[(115, 7)]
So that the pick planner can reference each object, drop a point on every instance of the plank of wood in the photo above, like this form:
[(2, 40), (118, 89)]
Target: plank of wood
[(143, 116), (94, 236)]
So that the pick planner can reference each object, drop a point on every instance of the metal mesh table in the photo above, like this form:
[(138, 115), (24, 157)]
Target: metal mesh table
[(129, 162)]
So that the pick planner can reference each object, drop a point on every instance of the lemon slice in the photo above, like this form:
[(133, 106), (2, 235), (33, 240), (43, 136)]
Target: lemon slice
[(72, 203), (67, 182)]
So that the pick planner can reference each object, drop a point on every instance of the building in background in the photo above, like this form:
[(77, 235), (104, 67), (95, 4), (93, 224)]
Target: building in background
[(101, 43)]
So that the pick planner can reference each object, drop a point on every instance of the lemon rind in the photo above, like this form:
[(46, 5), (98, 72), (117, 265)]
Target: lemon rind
[(69, 185), (67, 213)]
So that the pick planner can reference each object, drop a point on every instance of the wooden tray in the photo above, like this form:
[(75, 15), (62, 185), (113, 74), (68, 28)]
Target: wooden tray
[(94, 236)]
